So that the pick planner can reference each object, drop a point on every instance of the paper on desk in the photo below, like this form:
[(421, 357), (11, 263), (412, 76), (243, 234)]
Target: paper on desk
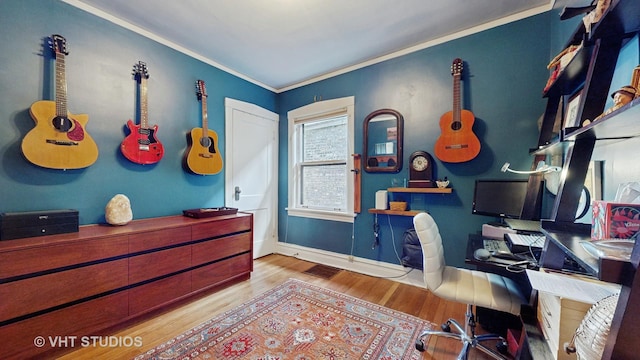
[(571, 287)]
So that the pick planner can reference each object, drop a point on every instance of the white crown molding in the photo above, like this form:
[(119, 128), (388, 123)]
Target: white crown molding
[(127, 25), (427, 44)]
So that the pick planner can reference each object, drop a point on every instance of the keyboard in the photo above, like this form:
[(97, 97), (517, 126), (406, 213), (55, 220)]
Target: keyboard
[(526, 240), (496, 245)]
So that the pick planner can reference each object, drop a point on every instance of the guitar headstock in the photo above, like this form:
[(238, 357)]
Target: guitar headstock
[(456, 67), (140, 71), (59, 45), (201, 91)]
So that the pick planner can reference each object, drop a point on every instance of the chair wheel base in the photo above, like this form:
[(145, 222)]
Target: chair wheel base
[(502, 347), (420, 345), (446, 327)]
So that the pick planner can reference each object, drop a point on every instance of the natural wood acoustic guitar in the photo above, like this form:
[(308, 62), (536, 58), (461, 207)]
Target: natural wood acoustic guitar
[(59, 139), (457, 142), (141, 146), (202, 156)]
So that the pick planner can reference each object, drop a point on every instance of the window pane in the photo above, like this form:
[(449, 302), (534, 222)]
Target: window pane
[(325, 140), (324, 186)]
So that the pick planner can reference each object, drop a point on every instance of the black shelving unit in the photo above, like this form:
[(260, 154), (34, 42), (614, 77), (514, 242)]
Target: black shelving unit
[(590, 72)]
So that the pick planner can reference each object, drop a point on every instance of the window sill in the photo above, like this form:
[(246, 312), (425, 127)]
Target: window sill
[(321, 215)]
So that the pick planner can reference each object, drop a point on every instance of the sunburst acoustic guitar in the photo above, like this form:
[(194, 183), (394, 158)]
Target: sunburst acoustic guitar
[(59, 139), (457, 142), (202, 156), (141, 146)]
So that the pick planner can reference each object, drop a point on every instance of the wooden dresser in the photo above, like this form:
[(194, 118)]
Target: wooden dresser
[(80, 284)]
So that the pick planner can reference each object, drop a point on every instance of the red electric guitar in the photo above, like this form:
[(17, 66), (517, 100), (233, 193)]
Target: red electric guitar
[(141, 145), (202, 156), (59, 140), (457, 142)]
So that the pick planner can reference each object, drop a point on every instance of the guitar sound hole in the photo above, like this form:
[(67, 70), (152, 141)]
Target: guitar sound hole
[(456, 125), (205, 142), (62, 123)]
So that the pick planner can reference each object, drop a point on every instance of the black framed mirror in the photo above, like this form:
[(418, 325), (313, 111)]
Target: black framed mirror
[(383, 135)]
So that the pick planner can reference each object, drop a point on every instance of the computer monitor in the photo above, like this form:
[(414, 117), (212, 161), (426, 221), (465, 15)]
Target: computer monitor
[(499, 198)]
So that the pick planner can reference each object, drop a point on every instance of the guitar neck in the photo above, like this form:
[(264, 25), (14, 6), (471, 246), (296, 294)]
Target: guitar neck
[(143, 104), (61, 86), (205, 117), (456, 98)]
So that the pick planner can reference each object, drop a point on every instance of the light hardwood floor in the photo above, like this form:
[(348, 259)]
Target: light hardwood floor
[(273, 270)]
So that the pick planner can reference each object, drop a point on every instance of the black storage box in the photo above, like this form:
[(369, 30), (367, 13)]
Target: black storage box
[(16, 225), (208, 212)]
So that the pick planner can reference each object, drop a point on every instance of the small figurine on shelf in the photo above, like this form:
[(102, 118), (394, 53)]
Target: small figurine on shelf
[(596, 14), (442, 183), (635, 79), (559, 62), (621, 97)]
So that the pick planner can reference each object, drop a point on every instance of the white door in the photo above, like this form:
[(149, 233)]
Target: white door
[(251, 177)]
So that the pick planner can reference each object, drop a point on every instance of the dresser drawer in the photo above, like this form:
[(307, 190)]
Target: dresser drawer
[(549, 314), (159, 263), (221, 227), (157, 239), (559, 318), (79, 320), (220, 248), (220, 272), (149, 296), (33, 260), (33, 294)]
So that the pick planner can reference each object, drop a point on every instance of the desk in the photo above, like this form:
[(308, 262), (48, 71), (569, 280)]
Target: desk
[(562, 316), (563, 245), (476, 242), (563, 240), (533, 345)]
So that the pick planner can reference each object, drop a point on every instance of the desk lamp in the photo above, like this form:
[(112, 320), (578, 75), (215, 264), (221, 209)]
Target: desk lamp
[(551, 174)]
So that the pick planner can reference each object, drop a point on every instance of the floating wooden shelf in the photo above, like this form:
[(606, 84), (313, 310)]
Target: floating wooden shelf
[(413, 191), (396, 212), (420, 190)]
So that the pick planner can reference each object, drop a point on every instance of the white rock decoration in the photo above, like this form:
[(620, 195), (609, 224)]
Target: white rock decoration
[(118, 210)]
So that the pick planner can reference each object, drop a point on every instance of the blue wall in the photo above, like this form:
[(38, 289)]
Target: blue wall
[(100, 84), (502, 83), (504, 73)]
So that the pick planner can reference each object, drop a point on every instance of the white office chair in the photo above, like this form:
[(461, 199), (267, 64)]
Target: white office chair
[(474, 288)]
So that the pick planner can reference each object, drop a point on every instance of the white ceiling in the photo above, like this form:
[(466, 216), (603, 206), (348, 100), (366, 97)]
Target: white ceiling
[(281, 44)]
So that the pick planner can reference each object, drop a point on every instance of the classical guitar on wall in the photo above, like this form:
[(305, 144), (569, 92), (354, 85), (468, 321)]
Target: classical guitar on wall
[(141, 145), (59, 139), (457, 142), (202, 156)]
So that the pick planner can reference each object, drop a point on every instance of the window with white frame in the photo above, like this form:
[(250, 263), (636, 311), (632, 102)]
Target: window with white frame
[(321, 139)]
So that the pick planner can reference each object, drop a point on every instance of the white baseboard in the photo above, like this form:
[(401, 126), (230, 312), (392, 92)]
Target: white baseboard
[(360, 265)]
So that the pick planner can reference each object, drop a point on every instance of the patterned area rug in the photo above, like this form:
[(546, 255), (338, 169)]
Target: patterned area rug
[(299, 321)]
